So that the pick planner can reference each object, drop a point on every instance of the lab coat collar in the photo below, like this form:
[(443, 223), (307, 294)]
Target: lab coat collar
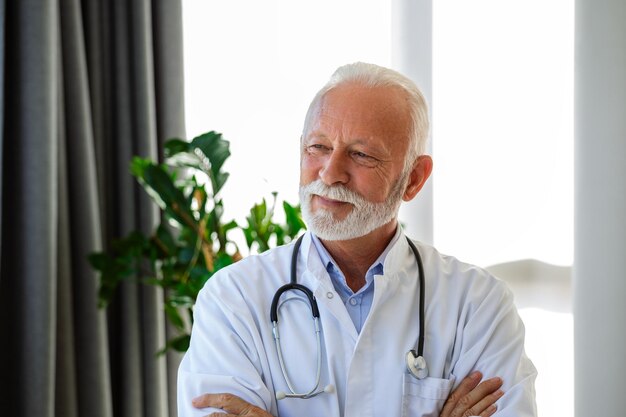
[(317, 279), (314, 265), (314, 275), (395, 261), (399, 257)]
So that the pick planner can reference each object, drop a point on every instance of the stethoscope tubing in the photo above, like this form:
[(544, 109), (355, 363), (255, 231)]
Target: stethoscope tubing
[(420, 269)]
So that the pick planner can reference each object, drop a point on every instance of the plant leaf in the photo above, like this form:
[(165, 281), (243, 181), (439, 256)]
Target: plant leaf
[(181, 301), (180, 344), (293, 218), (165, 241), (159, 185), (217, 151), (174, 316), (174, 147)]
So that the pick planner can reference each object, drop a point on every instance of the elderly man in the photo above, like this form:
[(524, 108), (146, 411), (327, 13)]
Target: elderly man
[(402, 329)]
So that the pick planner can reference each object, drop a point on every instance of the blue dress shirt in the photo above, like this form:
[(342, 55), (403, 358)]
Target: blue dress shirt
[(357, 304)]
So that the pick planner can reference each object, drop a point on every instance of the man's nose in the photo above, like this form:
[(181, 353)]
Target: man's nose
[(334, 170)]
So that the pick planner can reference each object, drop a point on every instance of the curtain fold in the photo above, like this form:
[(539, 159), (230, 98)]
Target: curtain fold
[(79, 203), (86, 85), (29, 209), (2, 48), (170, 109)]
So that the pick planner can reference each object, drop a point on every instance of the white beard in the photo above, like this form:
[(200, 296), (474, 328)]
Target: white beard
[(364, 217)]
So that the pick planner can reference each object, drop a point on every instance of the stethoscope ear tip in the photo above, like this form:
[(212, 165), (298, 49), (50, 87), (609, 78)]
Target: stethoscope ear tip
[(280, 395), (329, 389)]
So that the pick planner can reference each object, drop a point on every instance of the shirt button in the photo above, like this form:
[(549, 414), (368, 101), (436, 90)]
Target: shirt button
[(329, 295), (353, 301)]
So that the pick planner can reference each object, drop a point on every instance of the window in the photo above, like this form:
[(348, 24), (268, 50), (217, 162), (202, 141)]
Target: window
[(503, 149), (503, 129)]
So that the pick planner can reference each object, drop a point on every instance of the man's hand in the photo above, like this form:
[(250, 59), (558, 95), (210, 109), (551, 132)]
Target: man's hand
[(473, 398), (233, 405)]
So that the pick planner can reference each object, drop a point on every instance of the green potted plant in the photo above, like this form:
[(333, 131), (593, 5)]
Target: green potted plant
[(193, 241)]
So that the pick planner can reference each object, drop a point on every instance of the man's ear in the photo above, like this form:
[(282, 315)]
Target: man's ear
[(422, 169)]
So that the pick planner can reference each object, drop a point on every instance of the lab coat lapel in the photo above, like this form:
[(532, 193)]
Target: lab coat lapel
[(389, 332)]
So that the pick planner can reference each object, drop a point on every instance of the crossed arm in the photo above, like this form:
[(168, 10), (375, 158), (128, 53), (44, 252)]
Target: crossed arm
[(471, 398)]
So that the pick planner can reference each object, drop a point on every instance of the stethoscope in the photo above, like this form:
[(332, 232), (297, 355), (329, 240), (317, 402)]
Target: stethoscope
[(415, 362)]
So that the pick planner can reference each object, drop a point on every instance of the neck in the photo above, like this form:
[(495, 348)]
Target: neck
[(355, 256)]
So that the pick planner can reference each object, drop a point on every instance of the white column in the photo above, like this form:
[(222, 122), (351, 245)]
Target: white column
[(600, 208), (411, 54)]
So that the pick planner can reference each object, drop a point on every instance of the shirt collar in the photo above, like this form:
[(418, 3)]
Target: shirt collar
[(377, 268)]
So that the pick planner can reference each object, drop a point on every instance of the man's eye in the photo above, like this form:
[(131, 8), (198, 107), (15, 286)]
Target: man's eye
[(364, 158), (316, 149)]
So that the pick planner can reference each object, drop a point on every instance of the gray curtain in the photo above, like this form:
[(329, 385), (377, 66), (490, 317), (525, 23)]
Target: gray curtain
[(85, 86)]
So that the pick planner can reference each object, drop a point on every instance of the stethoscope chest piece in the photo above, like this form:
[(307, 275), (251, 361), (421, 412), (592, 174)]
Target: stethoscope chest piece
[(416, 365)]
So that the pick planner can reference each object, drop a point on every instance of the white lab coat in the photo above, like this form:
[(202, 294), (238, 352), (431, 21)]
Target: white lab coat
[(471, 324)]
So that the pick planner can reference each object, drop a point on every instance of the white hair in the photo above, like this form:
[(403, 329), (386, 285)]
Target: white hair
[(370, 75)]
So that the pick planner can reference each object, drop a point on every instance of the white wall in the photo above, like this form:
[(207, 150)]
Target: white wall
[(600, 223)]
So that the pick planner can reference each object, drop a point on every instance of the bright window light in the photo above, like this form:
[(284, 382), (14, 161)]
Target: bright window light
[(503, 129), (503, 151)]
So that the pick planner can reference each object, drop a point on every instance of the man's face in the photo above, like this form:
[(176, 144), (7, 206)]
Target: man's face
[(356, 144)]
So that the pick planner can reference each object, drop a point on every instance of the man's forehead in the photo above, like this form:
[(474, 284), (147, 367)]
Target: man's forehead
[(353, 99), (321, 135), (369, 106)]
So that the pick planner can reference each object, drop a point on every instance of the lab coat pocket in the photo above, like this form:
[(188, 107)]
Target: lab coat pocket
[(424, 397)]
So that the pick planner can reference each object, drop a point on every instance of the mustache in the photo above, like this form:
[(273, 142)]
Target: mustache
[(334, 192)]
